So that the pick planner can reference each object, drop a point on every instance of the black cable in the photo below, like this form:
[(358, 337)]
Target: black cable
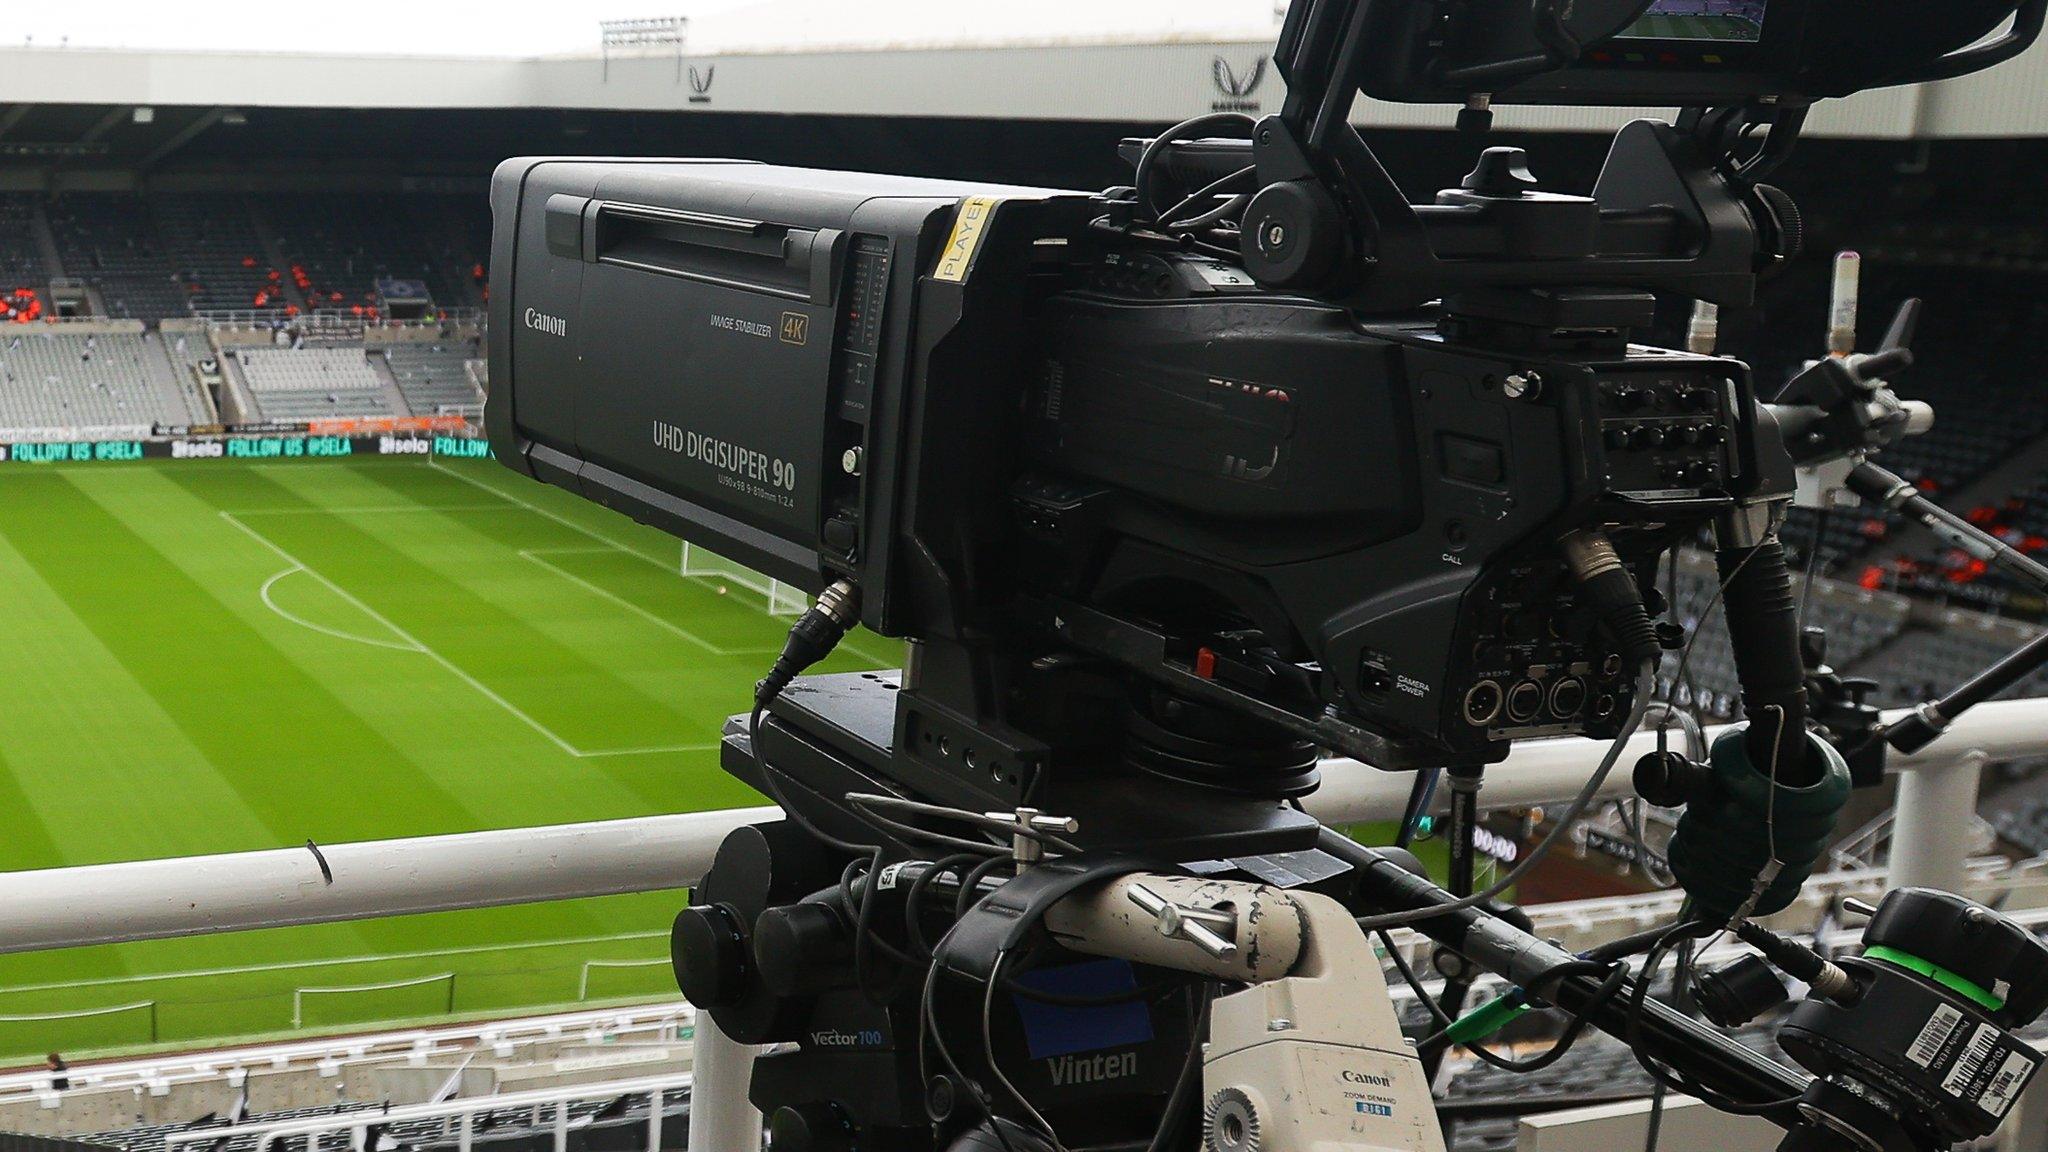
[(1575, 1026), (970, 885), (913, 923), (1201, 996), (927, 1035), (988, 1052), (1414, 983), (1680, 1001), (1674, 1081), (1420, 794), (1170, 219), (1149, 158), (774, 790), (1820, 527)]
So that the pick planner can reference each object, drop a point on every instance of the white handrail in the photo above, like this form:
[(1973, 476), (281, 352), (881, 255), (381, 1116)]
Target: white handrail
[(143, 900), (268, 1132)]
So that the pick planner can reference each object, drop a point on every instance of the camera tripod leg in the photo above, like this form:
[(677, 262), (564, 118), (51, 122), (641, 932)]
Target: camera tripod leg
[(722, 1119)]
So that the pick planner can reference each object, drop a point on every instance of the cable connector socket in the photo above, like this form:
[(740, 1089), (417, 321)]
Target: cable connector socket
[(811, 638), (1607, 586)]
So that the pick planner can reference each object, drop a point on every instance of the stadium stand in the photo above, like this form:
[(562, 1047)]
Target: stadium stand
[(434, 378), (170, 254), (107, 239), (59, 382), (137, 1101), (1925, 663), (344, 244), (21, 258), (313, 383), (220, 258)]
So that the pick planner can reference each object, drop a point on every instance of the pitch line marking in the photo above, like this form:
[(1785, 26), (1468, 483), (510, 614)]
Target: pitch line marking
[(290, 965), (264, 594), (538, 556), (601, 538), (452, 668)]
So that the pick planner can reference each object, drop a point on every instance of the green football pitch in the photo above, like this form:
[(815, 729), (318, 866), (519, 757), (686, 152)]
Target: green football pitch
[(212, 656)]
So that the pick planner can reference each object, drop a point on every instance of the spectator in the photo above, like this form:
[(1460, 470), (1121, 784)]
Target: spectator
[(58, 1080)]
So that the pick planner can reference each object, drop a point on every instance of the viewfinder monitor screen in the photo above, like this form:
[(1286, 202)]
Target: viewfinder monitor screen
[(1739, 21)]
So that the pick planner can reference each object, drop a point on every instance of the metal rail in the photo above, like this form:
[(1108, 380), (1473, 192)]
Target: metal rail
[(196, 895)]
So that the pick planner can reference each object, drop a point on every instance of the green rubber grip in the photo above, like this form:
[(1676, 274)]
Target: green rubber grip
[(1962, 985), (1733, 825)]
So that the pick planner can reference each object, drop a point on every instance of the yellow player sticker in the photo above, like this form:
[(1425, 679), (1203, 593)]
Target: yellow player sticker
[(975, 212)]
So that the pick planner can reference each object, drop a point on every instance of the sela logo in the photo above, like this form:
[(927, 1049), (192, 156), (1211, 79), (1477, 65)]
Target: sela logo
[(403, 446), (1066, 1070), (197, 449), (542, 322), (1237, 91), (833, 1038), (700, 83)]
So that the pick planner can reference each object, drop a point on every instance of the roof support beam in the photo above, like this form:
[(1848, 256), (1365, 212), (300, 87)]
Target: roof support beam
[(105, 124), (12, 117), (179, 139)]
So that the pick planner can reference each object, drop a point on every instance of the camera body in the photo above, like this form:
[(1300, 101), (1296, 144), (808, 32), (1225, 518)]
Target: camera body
[(964, 400)]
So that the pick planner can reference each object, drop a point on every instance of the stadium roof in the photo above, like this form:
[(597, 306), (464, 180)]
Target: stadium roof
[(1128, 61)]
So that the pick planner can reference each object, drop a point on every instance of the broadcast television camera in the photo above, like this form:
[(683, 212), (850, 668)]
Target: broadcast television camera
[(1173, 488)]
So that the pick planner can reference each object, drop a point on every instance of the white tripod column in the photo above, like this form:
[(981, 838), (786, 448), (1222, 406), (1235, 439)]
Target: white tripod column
[(722, 1119)]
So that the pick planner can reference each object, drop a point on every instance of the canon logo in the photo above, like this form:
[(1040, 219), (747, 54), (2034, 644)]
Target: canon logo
[(1376, 1081), (542, 322)]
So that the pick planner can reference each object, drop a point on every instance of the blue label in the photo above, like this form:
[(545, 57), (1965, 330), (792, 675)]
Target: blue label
[(1062, 1029)]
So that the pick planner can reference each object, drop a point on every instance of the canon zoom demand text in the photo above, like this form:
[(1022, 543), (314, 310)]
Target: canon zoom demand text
[(739, 468)]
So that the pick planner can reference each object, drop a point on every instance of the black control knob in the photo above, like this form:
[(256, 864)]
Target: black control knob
[(1690, 434), (1653, 437), (1668, 779), (1293, 235), (1700, 400), (1928, 931), (804, 949), (709, 953), (1631, 399), (1620, 438), (815, 1126), (1740, 991), (1502, 173)]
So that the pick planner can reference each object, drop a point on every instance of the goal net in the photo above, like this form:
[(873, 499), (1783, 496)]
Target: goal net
[(775, 597)]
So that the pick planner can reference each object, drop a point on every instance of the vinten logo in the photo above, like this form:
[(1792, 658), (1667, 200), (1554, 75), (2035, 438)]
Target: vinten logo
[(542, 322), (1067, 1070)]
